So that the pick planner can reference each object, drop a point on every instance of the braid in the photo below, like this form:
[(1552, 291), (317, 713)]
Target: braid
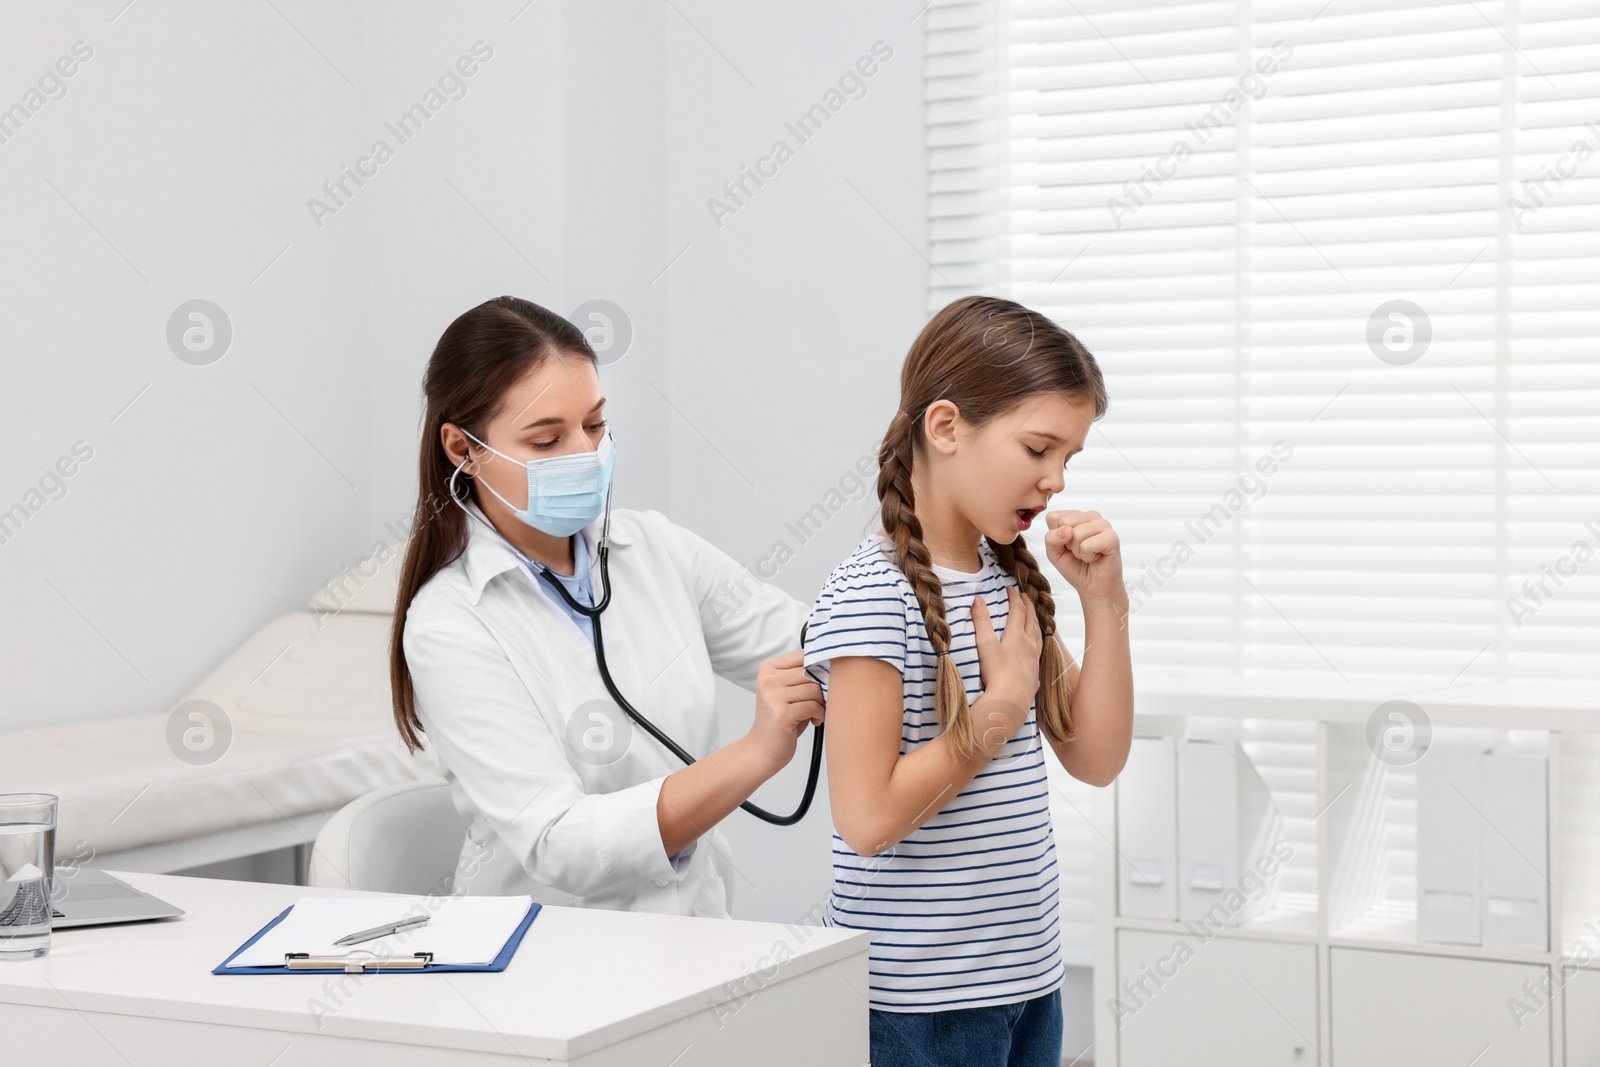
[(900, 522), (1054, 707)]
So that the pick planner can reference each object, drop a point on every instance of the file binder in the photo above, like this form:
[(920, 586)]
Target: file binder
[(1449, 847), (1147, 830), (1482, 857), (365, 961), (1516, 863), (1227, 824)]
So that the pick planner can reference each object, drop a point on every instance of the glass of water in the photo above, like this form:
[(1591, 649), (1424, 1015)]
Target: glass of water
[(27, 862)]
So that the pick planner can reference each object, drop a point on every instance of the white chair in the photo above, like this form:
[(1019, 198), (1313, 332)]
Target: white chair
[(403, 838)]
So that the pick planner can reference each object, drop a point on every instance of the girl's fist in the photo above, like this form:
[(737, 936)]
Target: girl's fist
[(1085, 549)]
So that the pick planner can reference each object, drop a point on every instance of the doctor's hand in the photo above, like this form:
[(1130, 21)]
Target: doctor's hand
[(787, 701)]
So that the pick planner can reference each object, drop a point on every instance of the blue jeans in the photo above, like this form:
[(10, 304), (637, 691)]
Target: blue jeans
[(1024, 1034)]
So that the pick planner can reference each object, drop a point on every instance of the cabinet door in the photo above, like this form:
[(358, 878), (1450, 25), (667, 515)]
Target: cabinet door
[(1582, 990), (1223, 1001), (1399, 1009)]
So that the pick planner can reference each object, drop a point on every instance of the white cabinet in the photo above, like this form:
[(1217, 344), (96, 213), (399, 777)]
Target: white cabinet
[(1400, 1009), (1225, 1001)]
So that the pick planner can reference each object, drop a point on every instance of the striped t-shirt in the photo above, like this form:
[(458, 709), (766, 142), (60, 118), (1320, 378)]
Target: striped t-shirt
[(964, 910)]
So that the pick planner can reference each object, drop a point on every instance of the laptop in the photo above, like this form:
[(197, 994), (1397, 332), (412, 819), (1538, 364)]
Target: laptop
[(89, 897)]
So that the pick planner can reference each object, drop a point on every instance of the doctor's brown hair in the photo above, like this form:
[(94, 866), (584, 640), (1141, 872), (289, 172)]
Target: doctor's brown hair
[(985, 355), (479, 357)]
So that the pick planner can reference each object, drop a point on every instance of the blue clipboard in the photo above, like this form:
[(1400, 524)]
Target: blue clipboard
[(498, 964)]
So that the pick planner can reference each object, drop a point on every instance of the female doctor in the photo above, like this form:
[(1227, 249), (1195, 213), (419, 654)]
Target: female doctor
[(569, 800)]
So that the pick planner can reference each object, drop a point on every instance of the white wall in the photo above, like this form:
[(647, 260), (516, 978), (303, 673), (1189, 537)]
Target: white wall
[(175, 167)]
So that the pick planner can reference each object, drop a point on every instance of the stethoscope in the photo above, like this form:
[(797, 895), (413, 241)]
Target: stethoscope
[(593, 614)]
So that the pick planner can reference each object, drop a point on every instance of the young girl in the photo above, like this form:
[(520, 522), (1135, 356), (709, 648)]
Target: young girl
[(942, 845)]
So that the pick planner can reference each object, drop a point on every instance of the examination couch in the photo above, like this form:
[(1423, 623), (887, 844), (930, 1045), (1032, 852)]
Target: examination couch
[(291, 726)]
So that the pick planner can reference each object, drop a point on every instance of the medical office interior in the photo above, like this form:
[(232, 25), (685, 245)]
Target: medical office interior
[(1340, 263)]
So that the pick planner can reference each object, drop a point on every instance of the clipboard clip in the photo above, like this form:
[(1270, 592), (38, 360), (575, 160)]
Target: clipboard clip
[(355, 962)]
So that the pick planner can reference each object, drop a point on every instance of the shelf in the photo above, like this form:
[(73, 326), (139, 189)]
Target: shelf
[(1295, 915), (1290, 921), (1385, 922), (1298, 931), (1428, 948), (1573, 705)]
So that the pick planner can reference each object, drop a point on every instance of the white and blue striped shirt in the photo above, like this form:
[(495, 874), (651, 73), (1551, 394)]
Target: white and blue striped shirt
[(964, 911)]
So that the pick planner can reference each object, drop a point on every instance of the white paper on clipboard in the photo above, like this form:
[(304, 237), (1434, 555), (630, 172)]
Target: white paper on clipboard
[(461, 930)]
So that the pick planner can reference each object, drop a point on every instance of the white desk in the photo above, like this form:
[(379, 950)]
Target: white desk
[(586, 987)]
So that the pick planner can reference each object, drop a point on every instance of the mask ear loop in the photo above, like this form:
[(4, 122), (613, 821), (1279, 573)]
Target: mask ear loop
[(489, 448), (486, 485), (450, 487)]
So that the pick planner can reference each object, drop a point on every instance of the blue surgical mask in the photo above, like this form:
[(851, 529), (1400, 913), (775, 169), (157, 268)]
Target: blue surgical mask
[(565, 493)]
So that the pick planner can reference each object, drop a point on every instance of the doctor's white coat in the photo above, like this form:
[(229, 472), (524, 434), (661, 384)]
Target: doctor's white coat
[(499, 669)]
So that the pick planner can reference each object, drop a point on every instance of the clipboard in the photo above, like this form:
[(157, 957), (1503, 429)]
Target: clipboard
[(364, 961)]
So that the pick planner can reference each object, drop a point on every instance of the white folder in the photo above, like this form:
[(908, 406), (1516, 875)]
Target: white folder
[(1227, 821), (1514, 831), (1147, 830), (1449, 847)]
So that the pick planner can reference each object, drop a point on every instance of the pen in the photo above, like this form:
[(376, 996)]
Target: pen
[(380, 931)]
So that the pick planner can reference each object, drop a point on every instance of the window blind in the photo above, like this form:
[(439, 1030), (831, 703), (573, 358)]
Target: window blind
[(1339, 262)]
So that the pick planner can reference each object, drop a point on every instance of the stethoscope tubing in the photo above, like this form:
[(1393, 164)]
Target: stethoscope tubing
[(649, 727), (594, 613)]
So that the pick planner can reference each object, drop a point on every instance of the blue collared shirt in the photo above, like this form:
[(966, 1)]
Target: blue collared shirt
[(577, 583)]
